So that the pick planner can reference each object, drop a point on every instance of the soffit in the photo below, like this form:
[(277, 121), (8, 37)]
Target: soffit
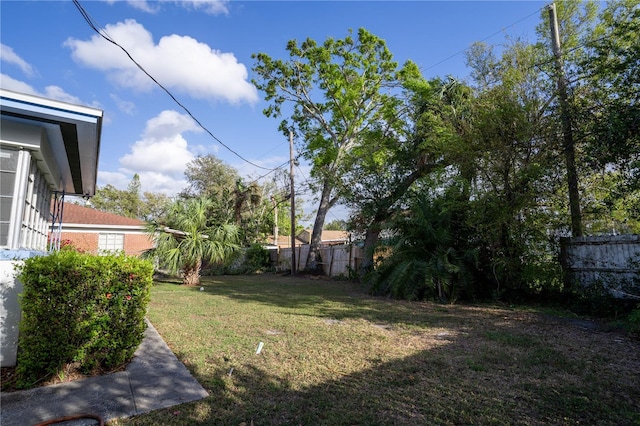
[(72, 133)]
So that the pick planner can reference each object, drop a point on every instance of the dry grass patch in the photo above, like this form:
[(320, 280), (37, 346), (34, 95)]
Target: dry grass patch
[(333, 355)]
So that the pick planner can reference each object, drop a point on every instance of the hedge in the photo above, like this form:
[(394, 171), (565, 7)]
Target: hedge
[(80, 308)]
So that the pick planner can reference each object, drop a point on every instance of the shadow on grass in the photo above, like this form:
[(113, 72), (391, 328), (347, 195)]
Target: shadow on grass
[(491, 367), (442, 386)]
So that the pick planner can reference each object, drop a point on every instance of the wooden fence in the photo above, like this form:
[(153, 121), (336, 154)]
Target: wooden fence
[(612, 261), (338, 260)]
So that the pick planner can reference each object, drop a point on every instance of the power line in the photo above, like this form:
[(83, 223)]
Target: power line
[(103, 33), (269, 172), (480, 41)]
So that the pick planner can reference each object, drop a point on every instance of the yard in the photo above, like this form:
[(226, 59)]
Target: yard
[(333, 355)]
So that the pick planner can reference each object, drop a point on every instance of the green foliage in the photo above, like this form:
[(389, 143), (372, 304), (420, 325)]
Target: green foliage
[(425, 260), (251, 260), (596, 300), (80, 308), (336, 91), (257, 258), (336, 225), (188, 238), (129, 202), (607, 117), (209, 176), (634, 320), (232, 200)]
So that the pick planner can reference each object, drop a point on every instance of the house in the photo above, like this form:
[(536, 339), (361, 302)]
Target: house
[(95, 231), (48, 149), (284, 241), (330, 243), (327, 238)]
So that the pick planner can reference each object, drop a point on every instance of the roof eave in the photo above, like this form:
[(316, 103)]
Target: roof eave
[(73, 133)]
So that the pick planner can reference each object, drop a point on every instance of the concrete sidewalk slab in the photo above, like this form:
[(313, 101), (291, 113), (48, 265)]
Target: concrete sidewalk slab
[(154, 379)]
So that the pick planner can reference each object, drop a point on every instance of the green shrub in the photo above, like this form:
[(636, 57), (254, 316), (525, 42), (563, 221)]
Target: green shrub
[(249, 260), (257, 258), (80, 308), (634, 320)]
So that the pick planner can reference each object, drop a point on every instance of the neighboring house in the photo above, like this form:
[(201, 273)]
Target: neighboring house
[(95, 231), (339, 256), (327, 238), (48, 149), (284, 241)]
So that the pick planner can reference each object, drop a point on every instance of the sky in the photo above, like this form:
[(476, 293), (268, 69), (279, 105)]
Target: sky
[(200, 51)]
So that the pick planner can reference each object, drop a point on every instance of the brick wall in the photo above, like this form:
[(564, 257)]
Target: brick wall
[(134, 243), (83, 241)]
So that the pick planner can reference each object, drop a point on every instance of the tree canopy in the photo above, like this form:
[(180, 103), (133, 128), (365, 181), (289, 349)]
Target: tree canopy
[(482, 159), (330, 93), (130, 202)]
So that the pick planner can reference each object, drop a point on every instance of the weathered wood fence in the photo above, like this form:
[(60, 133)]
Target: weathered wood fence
[(610, 261), (338, 260)]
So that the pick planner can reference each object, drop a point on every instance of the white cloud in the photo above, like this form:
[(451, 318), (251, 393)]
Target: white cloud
[(168, 155), (161, 183), (143, 5), (169, 123), (149, 181), (160, 157), (127, 107), (50, 92), (9, 56), (56, 92), (10, 83), (116, 179), (179, 63), (212, 7)]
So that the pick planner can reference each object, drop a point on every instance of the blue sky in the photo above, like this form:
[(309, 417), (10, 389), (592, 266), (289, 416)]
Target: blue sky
[(201, 51)]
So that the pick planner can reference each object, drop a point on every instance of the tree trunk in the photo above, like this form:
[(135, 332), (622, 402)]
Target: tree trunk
[(314, 260), (384, 212), (370, 242), (191, 274)]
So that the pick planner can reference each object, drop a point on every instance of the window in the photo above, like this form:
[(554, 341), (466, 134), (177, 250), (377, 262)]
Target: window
[(110, 242), (35, 219), (24, 201), (8, 168)]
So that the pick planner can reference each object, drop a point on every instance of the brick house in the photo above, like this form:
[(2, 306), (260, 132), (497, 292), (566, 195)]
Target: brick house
[(95, 231)]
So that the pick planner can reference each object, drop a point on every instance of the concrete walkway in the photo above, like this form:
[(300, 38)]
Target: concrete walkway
[(154, 379)]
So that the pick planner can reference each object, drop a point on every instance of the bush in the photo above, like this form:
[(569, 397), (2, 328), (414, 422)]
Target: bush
[(257, 258), (249, 260), (633, 320), (595, 299), (80, 308)]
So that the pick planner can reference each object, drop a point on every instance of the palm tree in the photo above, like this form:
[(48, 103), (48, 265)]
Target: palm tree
[(188, 239), (424, 261)]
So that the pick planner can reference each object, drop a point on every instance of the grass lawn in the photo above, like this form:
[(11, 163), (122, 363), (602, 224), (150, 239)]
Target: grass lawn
[(333, 355)]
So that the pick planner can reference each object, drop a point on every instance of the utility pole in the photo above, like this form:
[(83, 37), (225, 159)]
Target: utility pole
[(565, 117), (275, 221), (293, 206)]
